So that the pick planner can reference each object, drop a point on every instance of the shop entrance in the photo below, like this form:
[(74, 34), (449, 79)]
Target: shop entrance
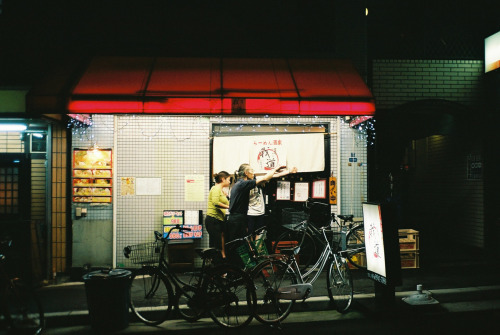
[(14, 207)]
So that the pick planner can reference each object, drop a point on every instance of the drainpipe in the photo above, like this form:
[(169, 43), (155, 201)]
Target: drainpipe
[(115, 138), (48, 202), (339, 167)]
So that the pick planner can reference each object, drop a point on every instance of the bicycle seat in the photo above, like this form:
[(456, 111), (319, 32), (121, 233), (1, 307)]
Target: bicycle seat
[(346, 217), (207, 252), (290, 251)]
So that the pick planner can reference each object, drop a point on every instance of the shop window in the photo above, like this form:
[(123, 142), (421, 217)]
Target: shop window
[(9, 190), (38, 143)]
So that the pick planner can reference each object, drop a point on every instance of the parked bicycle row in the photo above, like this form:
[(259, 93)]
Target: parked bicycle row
[(249, 282)]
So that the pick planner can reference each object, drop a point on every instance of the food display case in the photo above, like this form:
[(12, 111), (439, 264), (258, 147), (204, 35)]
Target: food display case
[(92, 175)]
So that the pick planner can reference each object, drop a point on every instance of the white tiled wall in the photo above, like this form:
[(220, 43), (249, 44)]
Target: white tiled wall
[(171, 147), (353, 166)]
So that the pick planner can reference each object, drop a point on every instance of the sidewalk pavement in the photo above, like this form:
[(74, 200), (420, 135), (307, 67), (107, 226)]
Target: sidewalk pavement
[(468, 293)]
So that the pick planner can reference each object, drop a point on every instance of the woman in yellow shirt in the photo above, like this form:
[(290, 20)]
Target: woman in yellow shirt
[(216, 212)]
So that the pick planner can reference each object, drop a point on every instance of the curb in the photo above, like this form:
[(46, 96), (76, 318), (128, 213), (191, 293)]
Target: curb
[(450, 300)]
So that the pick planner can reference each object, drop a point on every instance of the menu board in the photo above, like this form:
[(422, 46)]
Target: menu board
[(92, 175), (186, 218)]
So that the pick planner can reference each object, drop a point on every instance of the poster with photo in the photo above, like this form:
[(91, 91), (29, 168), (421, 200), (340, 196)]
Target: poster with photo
[(283, 190)]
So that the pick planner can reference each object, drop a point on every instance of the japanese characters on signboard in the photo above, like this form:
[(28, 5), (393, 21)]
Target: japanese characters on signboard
[(189, 219), (267, 154), (374, 242)]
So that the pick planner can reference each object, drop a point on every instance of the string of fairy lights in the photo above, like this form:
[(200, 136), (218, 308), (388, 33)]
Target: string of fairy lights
[(365, 132)]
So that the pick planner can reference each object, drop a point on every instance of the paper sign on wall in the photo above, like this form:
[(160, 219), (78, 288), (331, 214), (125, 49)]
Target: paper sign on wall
[(301, 192), (148, 186), (127, 186), (194, 188)]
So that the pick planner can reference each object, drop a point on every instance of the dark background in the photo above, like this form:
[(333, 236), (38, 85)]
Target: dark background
[(36, 35)]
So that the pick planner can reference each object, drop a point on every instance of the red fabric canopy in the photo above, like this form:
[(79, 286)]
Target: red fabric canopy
[(215, 86)]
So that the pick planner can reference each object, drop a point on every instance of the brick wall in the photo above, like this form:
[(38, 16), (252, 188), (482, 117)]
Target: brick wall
[(396, 82)]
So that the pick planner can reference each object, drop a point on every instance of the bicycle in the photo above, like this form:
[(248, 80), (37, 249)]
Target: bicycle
[(225, 292), (339, 279), (348, 234), (353, 240), (22, 310), (268, 273)]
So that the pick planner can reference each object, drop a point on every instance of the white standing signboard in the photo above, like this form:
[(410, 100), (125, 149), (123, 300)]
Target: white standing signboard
[(374, 241)]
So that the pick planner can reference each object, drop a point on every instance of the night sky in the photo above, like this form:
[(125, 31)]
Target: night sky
[(37, 35)]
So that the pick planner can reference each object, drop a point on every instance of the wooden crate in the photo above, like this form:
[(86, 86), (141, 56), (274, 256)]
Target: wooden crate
[(409, 240), (410, 259)]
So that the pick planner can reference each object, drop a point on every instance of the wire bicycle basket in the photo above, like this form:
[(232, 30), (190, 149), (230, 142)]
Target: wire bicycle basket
[(251, 250), (145, 253)]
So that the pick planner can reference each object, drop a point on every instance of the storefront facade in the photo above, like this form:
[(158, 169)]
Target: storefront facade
[(166, 145), (169, 150), (158, 120)]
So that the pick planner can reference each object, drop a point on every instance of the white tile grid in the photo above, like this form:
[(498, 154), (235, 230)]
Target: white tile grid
[(168, 147), (171, 147), (353, 178)]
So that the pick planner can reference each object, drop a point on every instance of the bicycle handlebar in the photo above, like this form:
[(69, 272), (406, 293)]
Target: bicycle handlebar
[(158, 235), (309, 203), (258, 231)]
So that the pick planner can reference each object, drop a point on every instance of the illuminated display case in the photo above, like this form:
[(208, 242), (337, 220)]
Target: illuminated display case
[(92, 175)]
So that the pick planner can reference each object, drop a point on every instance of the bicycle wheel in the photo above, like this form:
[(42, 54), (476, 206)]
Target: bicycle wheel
[(339, 284), (307, 253), (187, 309), (356, 247), (151, 295), (23, 311), (186, 300), (268, 277), (230, 296)]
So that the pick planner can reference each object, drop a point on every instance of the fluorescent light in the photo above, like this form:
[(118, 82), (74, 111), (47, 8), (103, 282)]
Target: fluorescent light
[(37, 135), (12, 127)]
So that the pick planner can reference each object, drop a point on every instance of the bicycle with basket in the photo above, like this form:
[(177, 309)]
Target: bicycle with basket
[(303, 231), (222, 291), (339, 280), (268, 272)]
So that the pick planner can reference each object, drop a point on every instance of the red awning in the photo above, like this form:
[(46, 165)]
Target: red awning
[(215, 86)]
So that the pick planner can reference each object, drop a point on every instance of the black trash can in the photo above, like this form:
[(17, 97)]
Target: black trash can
[(108, 294)]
